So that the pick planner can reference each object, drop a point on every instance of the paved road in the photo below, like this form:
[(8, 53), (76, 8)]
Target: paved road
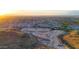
[(55, 42), (50, 38)]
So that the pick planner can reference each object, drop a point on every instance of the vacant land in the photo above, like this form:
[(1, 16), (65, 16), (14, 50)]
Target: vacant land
[(13, 39)]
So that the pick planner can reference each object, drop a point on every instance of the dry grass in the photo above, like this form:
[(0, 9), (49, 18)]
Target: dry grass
[(72, 38), (14, 39)]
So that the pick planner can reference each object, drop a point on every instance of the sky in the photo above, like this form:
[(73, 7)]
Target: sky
[(37, 12), (43, 12), (33, 7)]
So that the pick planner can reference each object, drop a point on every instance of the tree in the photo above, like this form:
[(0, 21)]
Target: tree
[(77, 21), (65, 25)]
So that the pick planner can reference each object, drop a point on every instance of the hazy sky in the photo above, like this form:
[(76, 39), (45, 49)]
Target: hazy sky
[(74, 12), (44, 12), (32, 7), (38, 12)]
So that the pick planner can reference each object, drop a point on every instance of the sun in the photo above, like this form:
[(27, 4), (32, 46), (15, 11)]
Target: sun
[(3, 12), (4, 9), (7, 6)]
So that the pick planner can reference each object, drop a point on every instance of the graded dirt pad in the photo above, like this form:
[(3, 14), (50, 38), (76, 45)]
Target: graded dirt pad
[(72, 39), (16, 40)]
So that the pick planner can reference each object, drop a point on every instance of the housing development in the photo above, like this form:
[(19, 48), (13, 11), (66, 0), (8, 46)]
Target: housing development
[(39, 32)]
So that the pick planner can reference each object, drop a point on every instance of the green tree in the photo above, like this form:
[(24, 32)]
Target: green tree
[(65, 25), (77, 21)]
